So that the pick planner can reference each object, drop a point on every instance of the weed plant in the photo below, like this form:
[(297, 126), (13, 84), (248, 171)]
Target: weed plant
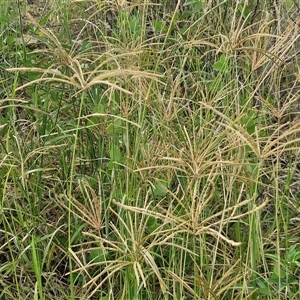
[(149, 150)]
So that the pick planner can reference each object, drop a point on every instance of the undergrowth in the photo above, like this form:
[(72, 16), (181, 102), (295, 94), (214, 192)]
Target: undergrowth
[(149, 150)]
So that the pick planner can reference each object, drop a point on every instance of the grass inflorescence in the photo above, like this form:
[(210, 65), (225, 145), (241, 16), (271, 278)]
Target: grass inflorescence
[(149, 150)]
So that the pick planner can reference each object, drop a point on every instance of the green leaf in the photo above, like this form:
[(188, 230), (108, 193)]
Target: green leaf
[(244, 10), (95, 120), (221, 64), (76, 277), (297, 263), (192, 2), (250, 121), (159, 26), (292, 281), (263, 287), (265, 291), (115, 156), (133, 24), (293, 255), (62, 241), (151, 224), (98, 255), (99, 108), (4, 18), (90, 180), (160, 188), (85, 45), (197, 8), (115, 127), (45, 18), (278, 271), (272, 256)]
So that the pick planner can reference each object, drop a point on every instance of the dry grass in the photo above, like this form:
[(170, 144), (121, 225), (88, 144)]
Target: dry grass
[(150, 151)]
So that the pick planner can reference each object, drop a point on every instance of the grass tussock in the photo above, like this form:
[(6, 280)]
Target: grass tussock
[(149, 150)]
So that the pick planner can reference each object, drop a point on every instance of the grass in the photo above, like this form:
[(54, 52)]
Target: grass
[(149, 150)]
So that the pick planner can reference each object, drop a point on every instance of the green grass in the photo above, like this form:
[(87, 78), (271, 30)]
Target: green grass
[(149, 151)]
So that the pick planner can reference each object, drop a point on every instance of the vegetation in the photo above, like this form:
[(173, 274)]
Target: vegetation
[(149, 150)]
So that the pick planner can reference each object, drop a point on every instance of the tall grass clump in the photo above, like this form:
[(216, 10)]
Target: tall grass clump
[(149, 150)]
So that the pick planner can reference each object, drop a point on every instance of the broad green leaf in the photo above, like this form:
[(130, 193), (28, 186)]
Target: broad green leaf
[(95, 120), (151, 224), (4, 18), (265, 291), (98, 255), (278, 271), (159, 26), (115, 127), (160, 188), (115, 154), (221, 64)]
